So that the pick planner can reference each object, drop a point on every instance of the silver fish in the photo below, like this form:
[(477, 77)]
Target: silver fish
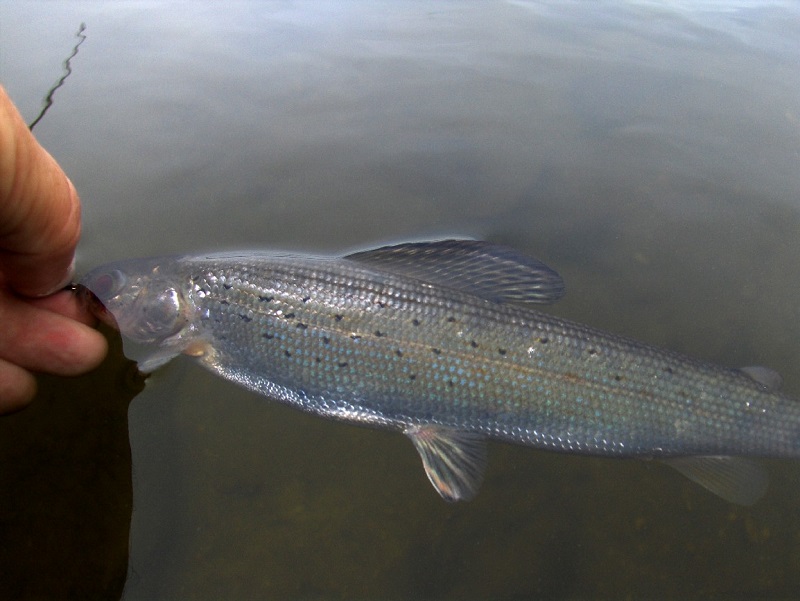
[(440, 341)]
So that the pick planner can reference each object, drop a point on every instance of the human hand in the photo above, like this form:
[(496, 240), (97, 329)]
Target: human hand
[(44, 329)]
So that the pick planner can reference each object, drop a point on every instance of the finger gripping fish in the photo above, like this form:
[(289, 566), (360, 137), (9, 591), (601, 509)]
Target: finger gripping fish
[(441, 341)]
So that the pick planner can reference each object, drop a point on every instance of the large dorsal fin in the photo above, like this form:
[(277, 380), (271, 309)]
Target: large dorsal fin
[(490, 271)]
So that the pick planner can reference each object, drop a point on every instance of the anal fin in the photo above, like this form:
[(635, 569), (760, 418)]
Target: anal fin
[(768, 378), (736, 479), (454, 460)]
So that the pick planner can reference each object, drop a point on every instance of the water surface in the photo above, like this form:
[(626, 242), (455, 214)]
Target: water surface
[(650, 152)]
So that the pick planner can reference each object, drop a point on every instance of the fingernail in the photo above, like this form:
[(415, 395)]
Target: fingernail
[(69, 276)]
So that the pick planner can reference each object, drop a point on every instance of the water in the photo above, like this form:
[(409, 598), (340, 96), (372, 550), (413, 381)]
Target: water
[(647, 151)]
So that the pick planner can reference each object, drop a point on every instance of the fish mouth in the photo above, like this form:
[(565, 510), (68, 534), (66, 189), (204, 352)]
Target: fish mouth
[(89, 300)]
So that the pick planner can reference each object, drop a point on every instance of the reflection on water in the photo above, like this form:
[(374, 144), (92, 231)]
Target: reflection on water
[(66, 505), (648, 152)]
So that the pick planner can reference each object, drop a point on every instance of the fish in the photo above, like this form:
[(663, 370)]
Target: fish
[(445, 342)]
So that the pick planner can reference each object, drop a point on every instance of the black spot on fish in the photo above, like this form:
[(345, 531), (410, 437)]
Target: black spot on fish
[(450, 383), (326, 340), (339, 317), (399, 353), (289, 316), (227, 286), (451, 319), (668, 370), (415, 322), (224, 302), (502, 351), (378, 333), (544, 340), (306, 299), (342, 363), (436, 351), (473, 344), (301, 325), (618, 378), (381, 304), (412, 376), (287, 353), (268, 336), (245, 318), (318, 359), (591, 351), (266, 299)]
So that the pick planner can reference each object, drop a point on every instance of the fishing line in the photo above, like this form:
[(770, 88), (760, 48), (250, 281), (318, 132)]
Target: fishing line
[(48, 101)]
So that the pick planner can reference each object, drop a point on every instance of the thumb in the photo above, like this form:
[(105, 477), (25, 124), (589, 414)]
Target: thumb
[(39, 211)]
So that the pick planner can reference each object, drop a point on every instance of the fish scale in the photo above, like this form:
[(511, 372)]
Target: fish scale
[(539, 385), (372, 339)]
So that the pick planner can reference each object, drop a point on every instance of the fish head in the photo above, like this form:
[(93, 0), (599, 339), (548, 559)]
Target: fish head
[(142, 298)]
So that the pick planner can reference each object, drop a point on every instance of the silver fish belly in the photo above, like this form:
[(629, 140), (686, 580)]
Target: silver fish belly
[(440, 341)]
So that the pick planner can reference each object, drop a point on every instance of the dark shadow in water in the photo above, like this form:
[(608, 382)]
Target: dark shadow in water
[(65, 477)]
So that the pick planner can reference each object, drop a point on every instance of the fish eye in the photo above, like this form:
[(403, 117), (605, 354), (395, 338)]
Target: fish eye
[(107, 285)]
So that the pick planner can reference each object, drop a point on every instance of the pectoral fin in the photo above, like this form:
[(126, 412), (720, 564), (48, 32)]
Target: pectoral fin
[(453, 460), (735, 479)]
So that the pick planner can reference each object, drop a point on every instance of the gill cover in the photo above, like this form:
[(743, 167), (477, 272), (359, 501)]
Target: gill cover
[(137, 297)]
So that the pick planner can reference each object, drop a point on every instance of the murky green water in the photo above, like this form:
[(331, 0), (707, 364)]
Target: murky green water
[(649, 152)]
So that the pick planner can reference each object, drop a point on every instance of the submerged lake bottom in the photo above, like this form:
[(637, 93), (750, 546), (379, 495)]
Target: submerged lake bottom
[(234, 495)]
